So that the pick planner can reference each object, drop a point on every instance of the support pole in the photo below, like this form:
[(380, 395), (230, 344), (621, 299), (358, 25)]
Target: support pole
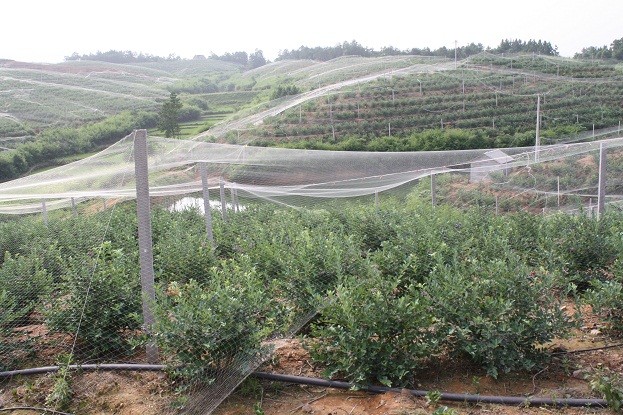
[(537, 142), (236, 205), (73, 207), (232, 195), (497, 208), (590, 205), (203, 169), (558, 189), (44, 212), (146, 256), (223, 201), (601, 188), (433, 190), (376, 199)]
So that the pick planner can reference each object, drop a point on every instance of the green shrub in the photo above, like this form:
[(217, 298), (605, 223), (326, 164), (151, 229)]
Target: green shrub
[(13, 348), (372, 330), (201, 328), (105, 291), (610, 385), (606, 298), (24, 280), (582, 246), (298, 254), (181, 249), (498, 312)]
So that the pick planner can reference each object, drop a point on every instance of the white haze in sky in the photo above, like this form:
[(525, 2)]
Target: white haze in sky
[(49, 30)]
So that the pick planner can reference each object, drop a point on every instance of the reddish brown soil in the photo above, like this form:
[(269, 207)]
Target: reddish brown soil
[(125, 393), (554, 381)]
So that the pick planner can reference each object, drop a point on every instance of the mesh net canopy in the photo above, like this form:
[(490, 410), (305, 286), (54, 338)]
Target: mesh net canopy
[(232, 275), (287, 176), (71, 272)]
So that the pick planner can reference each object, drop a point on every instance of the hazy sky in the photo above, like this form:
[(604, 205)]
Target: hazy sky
[(48, 30)]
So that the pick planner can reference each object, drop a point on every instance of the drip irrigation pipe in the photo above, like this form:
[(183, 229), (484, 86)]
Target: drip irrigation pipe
[(456, 397), (301, 380), (593, 349)]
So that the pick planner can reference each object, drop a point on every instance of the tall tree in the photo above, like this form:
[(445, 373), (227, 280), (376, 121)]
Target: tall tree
[(256, 59), (617, 49), (168, 119)]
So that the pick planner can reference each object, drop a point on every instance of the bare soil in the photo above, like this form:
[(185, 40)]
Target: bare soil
[(149, 393)]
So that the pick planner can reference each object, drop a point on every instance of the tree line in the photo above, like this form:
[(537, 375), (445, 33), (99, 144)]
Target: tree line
[(119, 56), (250, 61), (354, 48), (614, 51)]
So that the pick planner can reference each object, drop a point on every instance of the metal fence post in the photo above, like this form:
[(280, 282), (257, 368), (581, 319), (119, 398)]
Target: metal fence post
[(206, 202), (73, 207), (601, 188), (232, 195), (433, 190), (146, 256), (44, 212), (223, 201)]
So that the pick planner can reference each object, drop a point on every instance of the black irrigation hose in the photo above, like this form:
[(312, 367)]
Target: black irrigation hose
[(610, 346), (456, 397)]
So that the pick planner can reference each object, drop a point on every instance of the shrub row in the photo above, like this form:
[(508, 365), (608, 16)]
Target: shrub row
[(395, 286)]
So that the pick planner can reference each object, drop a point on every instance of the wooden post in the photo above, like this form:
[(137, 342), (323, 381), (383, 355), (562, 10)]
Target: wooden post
[(558, 189), (433, 190), (73, 207), (146, 256)]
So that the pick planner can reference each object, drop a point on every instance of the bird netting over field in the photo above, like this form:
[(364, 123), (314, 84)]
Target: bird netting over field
[(234, 274), (71, 281), (282, 175)]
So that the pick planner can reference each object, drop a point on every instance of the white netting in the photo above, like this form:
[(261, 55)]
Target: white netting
[(232, 280), (284, 175)]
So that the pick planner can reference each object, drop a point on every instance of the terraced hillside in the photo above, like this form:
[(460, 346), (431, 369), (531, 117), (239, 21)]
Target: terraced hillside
[(495, 95), (38, 96), (346, 103)]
